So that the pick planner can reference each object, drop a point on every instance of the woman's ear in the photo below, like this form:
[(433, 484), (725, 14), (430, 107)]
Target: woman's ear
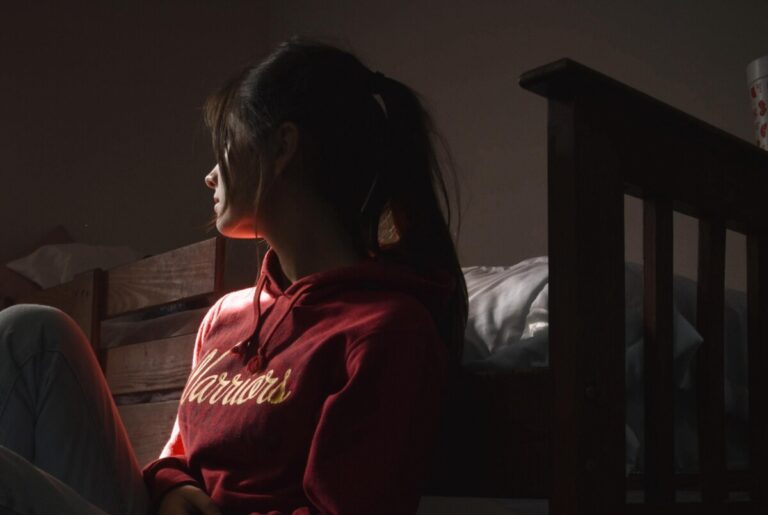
[(286, 144)]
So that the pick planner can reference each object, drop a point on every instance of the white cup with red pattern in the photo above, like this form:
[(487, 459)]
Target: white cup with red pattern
[(757, 80)]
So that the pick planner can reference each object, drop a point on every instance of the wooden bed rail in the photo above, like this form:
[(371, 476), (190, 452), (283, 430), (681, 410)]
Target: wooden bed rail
[(606, 140)]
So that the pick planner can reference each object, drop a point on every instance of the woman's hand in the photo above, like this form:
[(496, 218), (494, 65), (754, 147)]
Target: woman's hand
[(187, 500)]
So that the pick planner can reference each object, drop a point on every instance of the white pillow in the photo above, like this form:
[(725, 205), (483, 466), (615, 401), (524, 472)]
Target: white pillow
[(50, 265), (500, 300)]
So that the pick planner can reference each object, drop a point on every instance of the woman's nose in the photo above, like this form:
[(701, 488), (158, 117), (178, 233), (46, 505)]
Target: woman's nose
[(212, 178)]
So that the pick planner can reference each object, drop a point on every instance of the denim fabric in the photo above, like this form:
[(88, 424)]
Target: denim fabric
[(57, 418)]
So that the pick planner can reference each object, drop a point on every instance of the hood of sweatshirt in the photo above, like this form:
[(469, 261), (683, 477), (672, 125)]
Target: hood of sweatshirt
[(273, 301)]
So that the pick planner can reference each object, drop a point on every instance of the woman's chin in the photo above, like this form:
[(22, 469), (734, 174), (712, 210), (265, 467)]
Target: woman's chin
[(235, 231)]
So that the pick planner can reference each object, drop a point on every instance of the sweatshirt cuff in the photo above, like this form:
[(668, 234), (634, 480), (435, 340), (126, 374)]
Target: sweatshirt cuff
[(166, 474)]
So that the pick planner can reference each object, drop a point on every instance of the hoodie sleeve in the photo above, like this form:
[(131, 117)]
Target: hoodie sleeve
[(170, 469), (372, 447)]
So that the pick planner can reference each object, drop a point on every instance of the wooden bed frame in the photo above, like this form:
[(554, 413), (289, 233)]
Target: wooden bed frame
[(554, 432), (559, 432), (606, 140)]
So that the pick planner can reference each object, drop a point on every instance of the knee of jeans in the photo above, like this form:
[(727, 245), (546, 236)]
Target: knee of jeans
[(31, 319)]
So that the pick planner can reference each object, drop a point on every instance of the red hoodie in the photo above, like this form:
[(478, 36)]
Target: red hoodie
[(323, 397)]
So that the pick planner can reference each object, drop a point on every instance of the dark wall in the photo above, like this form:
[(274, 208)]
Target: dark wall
[(100, 122)]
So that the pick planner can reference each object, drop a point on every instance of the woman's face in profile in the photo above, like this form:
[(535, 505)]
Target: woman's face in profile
[(231, 221)]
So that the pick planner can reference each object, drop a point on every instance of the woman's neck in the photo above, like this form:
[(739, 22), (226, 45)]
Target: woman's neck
[(309, 240), (299, 259)]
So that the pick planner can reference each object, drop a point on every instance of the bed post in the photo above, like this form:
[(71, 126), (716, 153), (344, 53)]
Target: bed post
[(586, 260)]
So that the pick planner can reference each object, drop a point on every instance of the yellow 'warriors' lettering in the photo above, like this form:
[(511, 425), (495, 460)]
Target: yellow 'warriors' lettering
[(250, 393), (232, 391), (236, 394), (279, 394), (264, 393), (219, 392), (219, 388), (201, 387), (204, 366)]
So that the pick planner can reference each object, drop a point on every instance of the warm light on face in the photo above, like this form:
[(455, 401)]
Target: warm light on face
[(231, 221)]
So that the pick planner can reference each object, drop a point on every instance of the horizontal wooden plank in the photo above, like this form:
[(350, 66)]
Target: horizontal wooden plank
[(149, 426), (186, 272), (151, 366)]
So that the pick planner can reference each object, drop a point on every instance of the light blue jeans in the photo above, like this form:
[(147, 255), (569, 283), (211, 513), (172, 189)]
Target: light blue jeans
[(63, 447)]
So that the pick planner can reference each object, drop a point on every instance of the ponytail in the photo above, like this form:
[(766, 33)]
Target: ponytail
[(414, 187)]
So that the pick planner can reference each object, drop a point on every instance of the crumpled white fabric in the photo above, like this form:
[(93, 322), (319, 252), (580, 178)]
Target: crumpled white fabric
[(50, 265), (500, 299)]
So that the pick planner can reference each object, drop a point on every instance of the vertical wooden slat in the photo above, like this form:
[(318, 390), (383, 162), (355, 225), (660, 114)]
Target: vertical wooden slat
[(709, 320), (757, 330), (586, 255), (658, 368)]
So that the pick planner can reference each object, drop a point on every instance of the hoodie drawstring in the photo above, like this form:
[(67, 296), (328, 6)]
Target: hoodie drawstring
[(256, 362), (241, 349), (259, 361)]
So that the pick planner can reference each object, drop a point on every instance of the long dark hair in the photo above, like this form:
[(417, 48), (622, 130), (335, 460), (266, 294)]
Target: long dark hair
[(374, 163)]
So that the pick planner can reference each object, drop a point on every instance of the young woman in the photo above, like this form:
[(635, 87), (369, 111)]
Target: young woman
[(320, 389)]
